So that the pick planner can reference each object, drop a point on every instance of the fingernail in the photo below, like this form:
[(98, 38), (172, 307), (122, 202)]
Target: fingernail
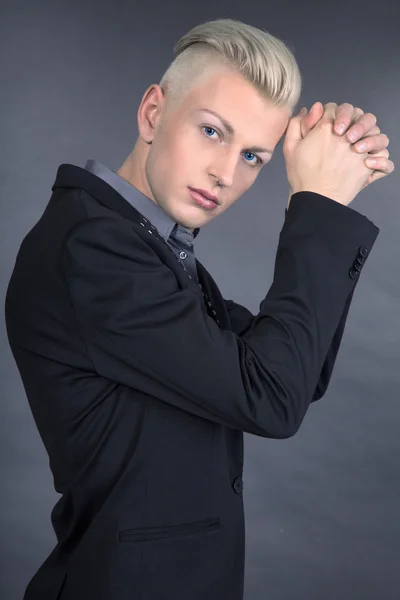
[(353, 136), (340, 128), (361, 146)]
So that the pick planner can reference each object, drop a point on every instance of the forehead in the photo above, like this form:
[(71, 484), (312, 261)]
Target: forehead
[(240, 105)]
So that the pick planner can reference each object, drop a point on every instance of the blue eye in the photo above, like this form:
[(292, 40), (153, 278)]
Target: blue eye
[(210, 128), (258, 161)]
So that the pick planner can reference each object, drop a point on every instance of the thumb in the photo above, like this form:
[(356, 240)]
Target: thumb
[(293, 131), (309, 121)]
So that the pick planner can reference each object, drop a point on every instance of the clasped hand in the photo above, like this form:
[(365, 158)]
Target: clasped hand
[(361, 131)]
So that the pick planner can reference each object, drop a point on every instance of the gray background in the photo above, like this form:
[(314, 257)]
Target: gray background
[(322, 508)]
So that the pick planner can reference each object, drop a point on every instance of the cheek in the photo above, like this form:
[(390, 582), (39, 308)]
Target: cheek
[(246, 176), (243, 181), (177, 152), (161, 155), (173, 167)]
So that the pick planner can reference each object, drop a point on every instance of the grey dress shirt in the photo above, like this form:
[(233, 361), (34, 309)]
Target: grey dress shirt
[(179, 238)]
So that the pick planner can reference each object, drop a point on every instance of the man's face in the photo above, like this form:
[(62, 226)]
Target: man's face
[(191, 147)]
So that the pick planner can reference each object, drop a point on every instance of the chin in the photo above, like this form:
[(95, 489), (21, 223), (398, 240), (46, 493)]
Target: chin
[(186, 214), (178, 214)]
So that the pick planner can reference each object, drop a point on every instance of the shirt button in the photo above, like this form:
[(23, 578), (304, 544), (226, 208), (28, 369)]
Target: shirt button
[(238, 485), (182, 254)]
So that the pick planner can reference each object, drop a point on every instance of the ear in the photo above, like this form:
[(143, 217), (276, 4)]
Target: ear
[(149, 112)]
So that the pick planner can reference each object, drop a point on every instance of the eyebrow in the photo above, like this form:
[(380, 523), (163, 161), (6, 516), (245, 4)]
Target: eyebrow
[(231, 130)]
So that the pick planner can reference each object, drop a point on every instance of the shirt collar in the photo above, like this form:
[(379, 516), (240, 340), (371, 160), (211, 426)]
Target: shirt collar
[(164, 224)]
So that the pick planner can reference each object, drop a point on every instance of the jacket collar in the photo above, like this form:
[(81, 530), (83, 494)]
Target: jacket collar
[(72, 176)]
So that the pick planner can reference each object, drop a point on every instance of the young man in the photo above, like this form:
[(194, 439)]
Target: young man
[(141, 377)]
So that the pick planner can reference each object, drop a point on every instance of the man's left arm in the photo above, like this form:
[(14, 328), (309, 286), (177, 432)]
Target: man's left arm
[(349, 120), (241, 319)]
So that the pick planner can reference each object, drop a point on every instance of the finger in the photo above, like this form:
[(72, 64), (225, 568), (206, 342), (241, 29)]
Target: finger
[(330, 109), (311, 118), (381, 164), (371, 179), (344, 117), (374, 143), (329, 112), (293, 133), (317, 106), (380, 152), (361, 127), (384, 153), (374, 131), (375, 175)]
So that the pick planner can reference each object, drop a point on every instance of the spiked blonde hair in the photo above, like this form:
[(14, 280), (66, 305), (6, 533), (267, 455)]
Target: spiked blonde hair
[(262, 59)]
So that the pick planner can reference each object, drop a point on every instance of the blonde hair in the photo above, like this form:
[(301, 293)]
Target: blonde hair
[(262, 59)]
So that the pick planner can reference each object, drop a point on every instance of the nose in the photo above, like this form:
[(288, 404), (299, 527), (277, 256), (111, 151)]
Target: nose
[(225, 168)]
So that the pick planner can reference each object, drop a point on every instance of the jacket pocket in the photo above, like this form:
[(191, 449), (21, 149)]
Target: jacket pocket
[(143, 534)]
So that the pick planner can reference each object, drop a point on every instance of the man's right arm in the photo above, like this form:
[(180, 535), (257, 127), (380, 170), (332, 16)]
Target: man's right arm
[(145, 333)]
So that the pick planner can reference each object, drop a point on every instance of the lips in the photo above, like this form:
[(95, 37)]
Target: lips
[(205, 194), (201, 200)]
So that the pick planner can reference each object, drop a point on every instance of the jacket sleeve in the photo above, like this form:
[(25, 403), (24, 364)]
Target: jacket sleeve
[(144, 332), (241, 319)]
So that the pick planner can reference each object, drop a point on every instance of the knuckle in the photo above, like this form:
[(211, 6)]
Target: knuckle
[(373, 117), (344, 115), (326, 122), (375, 131), (330, 110), (346, 105), (378, 153), (383, 155)]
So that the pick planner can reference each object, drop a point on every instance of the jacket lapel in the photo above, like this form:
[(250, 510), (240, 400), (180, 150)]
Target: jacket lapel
[(72, 176)]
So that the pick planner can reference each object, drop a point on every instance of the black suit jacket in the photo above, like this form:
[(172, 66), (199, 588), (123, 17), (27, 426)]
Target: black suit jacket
[(141, 398)]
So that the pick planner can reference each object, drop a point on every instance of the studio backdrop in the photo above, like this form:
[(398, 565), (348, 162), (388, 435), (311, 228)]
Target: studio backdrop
[(322, 508)]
